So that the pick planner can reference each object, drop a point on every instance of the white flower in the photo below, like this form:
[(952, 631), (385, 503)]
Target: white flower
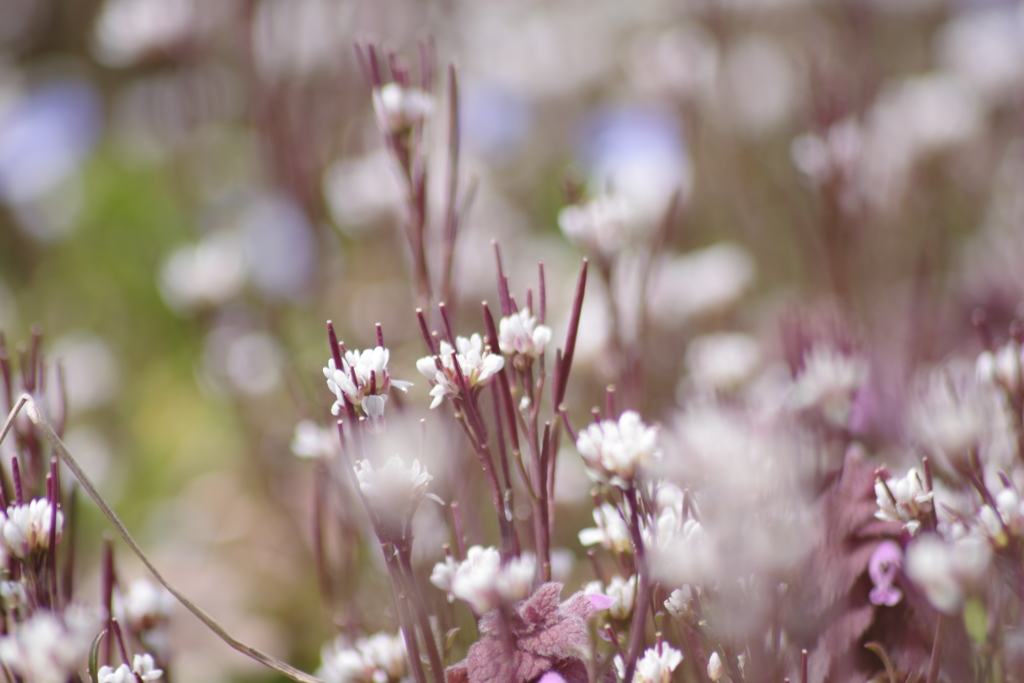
[(912, 501), (147, 605), (656, 666), (621, 591), (26, 528), (481, 580), (313, 441), (399, 109), (520, 333), (121, 674), (951, 412), (144, 666), (615, 450), (395, 488), (722, 362), (47, 648), (364, 380), (477, 363), (679, 601), (947, 571), (715, 668), (13, 595), (829, 381), (611, 531), (603, 226), (377, 659)]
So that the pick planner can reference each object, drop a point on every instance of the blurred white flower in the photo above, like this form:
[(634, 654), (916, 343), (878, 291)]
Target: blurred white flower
[(26, 528), (209, 273), (477, 363), (364, 381), (947, 571), (911, 502), (13, 595), (1002, 368), (121, 674), (722, 362), (50, 648), (611, 531), (950, 413), (761, 86), (519, 333), (679, 601), (127, 30), (393, 484), (313, 441), (361, 190), (828, 382), (380, 658), (295, 38), (614, 451), (603, 226), (399, 109), (482, 581), (985, 47), (699, 282), (147, 605), (91, 372)]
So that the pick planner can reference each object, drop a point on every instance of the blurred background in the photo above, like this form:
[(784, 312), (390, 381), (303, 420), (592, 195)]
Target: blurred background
[(189, 189)]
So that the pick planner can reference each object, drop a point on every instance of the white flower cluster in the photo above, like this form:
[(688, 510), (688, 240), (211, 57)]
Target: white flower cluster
[(142, 666), (611, 531), (363, 379), (614, 451), (49, 648), (482, 581), (520, 334), (313, 441), (1005, 521), (656, 666), (26, 528), (477, 363), (399, 109), (378, 659), (146, 605), (909, 502)]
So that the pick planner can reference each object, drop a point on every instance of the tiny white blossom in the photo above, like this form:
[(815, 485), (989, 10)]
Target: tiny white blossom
[(519, 333), (145, 667), (393, 484), (722, 362), (399, 109), (26, 528), (378, 659), (611, 531), (614, 451), (13, 595), (656, 666), (951, 411), (364, 381), (911, 502), (313, 441), (679, 601), (621, 591), (477, 363)]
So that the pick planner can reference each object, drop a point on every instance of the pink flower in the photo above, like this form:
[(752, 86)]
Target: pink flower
[(548, 639), (883, 568)]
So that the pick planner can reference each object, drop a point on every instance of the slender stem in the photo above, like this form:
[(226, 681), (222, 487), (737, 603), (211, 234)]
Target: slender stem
[(638, 625), (933, 665), (433, 654), (412, 648)]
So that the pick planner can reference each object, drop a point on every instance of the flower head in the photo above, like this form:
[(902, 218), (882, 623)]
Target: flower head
[(908, 503), (146, 605), (614, 451), (26, 528), (121, 674), (363, 380), (602, 226), (947, 571), (520, 334), (883, 568), (49, 648), (482, 581), (621, 593), (611, 530), (475, 360), (393, 491), (380, 658), (656, 666), (145, 668), (829, 382), (313, 441), (1002, 368)]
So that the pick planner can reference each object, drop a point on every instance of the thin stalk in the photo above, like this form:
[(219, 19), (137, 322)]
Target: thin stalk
[(638, 625)]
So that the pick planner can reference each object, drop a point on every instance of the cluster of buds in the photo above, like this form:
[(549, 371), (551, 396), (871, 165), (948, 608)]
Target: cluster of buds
[(470, 358), (399, 109), (1005, 521), (904, 499), (614, 451), (363, 382), (26, 528), (482, 581)]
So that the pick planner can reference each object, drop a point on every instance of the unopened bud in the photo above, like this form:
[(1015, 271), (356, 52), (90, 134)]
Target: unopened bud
[(715, 668)]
